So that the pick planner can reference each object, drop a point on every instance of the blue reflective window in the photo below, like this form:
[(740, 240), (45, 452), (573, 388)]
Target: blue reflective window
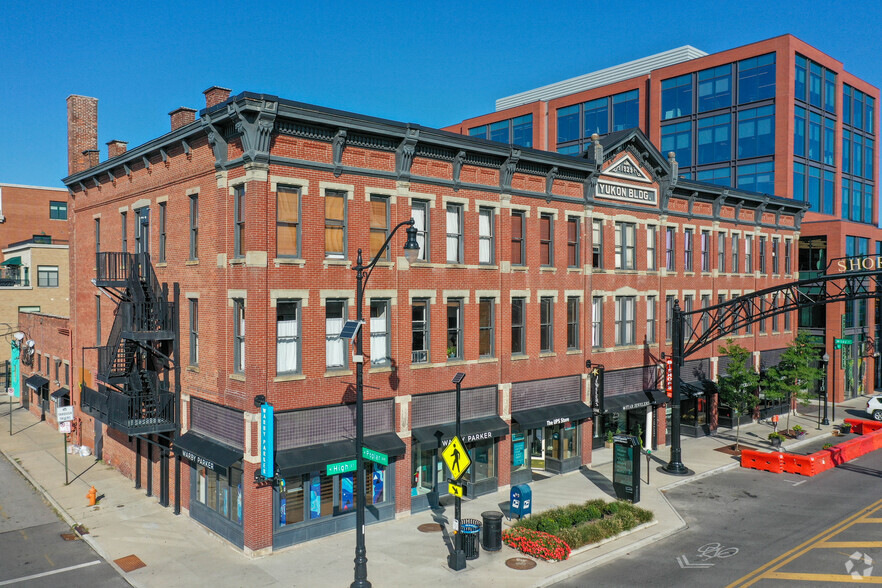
[(799, 78), (814, 189), (846, 198), (715, 139), (522, 130), (756, 131), (686, 175), (596, 117), (857, 155), (846, 104), (499, 131), (868, 203), (570, 150), (799, 131), (479, 132), (857, 189), (846, 151), (829, 141), (568, 123), (814, 136), (868, 158), (626, 110), (757, 177), (858, 110), (829, 187), (715, 88), (756, 78), (678, 138), (798, 181), (676, 95), (870, 115), (721, 176), (815, 72), (829, 91)]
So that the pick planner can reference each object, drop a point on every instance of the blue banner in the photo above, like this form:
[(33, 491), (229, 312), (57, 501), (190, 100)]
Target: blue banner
[(267, 441), (13, 372)]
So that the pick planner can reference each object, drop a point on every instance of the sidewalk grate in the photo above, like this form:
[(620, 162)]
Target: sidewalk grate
[(129, 563), (70, 537), (429, 528), (520, 563)]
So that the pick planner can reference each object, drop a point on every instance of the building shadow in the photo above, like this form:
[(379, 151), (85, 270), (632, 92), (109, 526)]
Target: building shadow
[(600, 481), (860, 469)]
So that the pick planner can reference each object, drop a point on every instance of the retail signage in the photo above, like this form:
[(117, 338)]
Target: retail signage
[(557, 421), (477, 436), (375, 456), (64, 414), (635, 405), (669, 377), (341, 467), (859, 263), (199, 460), (267, 439), (626, 193), (457, 458), (626, 467)]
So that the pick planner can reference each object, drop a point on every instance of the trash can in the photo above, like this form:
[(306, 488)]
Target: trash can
[(491, 538), (470, 529)]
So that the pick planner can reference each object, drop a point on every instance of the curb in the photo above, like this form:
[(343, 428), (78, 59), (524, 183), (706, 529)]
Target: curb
[(68, 519)]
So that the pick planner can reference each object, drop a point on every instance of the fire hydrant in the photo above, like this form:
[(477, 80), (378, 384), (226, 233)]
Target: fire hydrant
[(92, 495)]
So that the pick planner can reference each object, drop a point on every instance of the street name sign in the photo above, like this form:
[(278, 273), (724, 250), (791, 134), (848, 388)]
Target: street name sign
[(375, 456), (456, 457), (838, 343), (341, 467)]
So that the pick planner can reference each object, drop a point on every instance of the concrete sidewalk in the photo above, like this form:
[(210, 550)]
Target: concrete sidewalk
[(178, 551)]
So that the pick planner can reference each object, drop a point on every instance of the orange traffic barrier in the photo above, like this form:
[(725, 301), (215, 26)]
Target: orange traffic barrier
[(821, 462), (758, 460), (798, 464)]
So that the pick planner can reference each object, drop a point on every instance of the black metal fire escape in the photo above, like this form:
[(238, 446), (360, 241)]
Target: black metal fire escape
[(134, 394)]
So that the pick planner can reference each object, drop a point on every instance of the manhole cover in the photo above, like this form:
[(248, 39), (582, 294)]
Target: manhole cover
[(520, 563), (129, 563), (70, 537), (429, 528)]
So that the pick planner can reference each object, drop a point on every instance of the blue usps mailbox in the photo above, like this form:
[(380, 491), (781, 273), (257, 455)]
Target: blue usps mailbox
[(521, 502)]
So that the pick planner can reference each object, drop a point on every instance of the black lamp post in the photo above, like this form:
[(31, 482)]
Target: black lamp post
[(826, 361), (411, 250), (457, 561), (675, 464)]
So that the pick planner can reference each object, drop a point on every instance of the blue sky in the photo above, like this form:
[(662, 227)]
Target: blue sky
[(432, 63)]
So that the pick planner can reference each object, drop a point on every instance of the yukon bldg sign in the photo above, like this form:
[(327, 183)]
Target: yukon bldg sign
[(626, 193)]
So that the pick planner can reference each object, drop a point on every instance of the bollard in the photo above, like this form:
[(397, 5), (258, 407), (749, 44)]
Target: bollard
[(92, 495)]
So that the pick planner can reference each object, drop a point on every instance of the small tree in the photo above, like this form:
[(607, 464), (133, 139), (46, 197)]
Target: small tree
[(738, 385), (795, 375)]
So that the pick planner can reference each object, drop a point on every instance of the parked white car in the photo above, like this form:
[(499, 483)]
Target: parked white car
[(874, 407)]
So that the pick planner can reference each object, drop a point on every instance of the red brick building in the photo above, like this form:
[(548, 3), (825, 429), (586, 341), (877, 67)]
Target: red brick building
[(778, 117), (222, 255), (45, 366), (32, 211)]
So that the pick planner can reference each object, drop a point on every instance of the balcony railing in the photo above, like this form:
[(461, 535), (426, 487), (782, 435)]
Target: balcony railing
[(147, 320), (7, 282), (140, 414), (112, 268)]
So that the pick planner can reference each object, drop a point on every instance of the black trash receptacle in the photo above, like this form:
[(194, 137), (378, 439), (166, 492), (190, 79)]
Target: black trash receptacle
[(491, 538), (470, 529)]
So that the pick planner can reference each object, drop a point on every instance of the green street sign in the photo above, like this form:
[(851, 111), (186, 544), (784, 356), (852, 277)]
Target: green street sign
[(342, 467), (842, 341), (376, 456)]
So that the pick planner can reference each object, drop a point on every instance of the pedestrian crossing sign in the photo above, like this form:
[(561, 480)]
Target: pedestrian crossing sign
[(457, 458)]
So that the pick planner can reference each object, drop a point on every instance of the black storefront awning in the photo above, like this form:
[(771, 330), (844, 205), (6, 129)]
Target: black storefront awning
[(659, 397), (311, 458), (207, 452), (60, 393), (697, 388), (630, 401), (471, 430), (36, 382), (544, 416)]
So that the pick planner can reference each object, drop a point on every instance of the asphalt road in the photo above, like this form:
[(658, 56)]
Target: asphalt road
[(32, 551), (751, 528)]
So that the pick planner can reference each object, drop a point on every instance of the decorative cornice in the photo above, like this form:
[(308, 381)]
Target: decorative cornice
[(405, 152), (457, 168), (338, 145), (254, 120), (506, 172)]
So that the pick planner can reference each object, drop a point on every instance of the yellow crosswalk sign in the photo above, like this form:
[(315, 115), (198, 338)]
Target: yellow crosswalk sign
[(457, 458), (455, 490)]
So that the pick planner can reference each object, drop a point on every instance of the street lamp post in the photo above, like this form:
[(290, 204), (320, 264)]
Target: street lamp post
[(411, 249), (675, 465), (826, 361), (457, 560)]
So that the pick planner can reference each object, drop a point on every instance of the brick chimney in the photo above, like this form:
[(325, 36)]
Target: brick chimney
[(216, 95), (82, 132), (116, 147), (90, 158), (182, 116)]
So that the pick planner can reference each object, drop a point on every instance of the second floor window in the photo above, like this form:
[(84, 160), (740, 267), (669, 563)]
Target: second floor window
[(651, 244), (194, 227), (420, 331), (335, 224), (572, 242), (379, 225), (688, 250), (518, 345), (625, 325), (486, 343), (454, 233), (573, 322), (546, 324), (775, 267), (454, 329), (335, 346), (650, 319), (47, 276), (721, 252), (705, 251), (287, 337), (239, 335), (124, 231), (748, 254), (670, 263), (97, 235), (597, 243), (419, 211), (381, 345), (787, 268), (597, 322), (486, 245), (625, 245), (239, 221), (669, 317), (288, 222), (57, 210), (194, 331), (163, 209), (518, 253), (546, 240), (735, 246)]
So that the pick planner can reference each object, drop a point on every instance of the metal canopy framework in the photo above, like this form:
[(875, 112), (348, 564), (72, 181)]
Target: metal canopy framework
[(696, 329)]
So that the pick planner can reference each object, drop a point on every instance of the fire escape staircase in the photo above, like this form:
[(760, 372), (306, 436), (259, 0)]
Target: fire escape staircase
[(133, 396)]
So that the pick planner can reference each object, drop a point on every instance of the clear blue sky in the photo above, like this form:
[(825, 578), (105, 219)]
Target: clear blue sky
[(432, 63)]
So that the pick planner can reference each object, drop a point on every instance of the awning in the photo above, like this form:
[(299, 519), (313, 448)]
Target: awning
[(36, 382), (545, 416), (60, 393), (697, 388), (207, 452), (312, 458), (630, 401), (16, 261), (659, 397), (470, 431)]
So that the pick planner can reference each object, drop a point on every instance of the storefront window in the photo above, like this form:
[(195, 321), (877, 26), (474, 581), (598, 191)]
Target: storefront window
[(313, 496), (425, 468), (483, 459), (694, 411), (561, 441), (518, 452), (219, 493)]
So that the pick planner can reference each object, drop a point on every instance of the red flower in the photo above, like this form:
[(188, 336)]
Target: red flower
[(536, 543)]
